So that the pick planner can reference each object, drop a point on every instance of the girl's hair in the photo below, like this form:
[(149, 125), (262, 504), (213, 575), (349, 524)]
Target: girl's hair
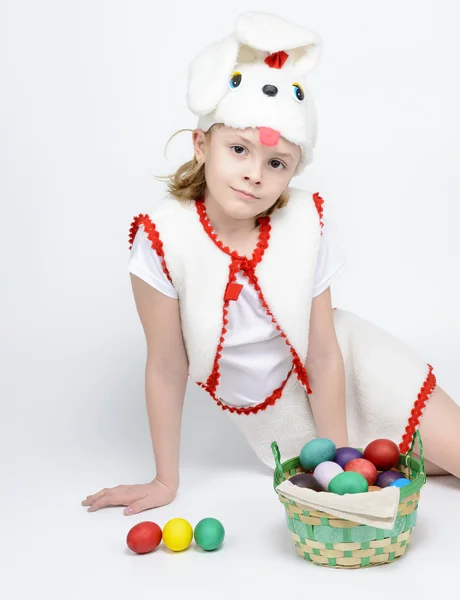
[(188, 183)]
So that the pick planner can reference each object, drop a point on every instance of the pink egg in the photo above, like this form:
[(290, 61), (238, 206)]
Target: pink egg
[(326, 471)]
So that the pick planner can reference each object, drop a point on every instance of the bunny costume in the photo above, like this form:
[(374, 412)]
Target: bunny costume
[(256, 77), (266, 60)]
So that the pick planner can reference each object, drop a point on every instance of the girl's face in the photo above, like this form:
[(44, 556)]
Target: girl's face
[(244, 177)]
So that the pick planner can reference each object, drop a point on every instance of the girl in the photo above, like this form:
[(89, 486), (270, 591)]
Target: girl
[(231, 277)]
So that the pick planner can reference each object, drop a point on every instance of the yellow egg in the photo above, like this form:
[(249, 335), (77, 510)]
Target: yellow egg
[(374, 488), (177, 534)]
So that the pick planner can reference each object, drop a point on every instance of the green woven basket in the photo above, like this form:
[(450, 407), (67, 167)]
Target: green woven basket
[(329, 541)]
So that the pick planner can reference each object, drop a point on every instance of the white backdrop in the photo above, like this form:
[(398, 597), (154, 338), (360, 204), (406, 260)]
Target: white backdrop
[(92, 90)]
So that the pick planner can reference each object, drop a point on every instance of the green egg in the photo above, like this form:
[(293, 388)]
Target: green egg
[(348, 482), (209, 534), (317, 451)]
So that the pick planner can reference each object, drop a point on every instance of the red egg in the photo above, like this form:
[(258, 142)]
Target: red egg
[(384, 454), (364, 467), (144, 537)]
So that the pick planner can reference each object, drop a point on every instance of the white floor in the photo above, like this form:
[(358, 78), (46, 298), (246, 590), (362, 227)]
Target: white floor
[(53, 549)]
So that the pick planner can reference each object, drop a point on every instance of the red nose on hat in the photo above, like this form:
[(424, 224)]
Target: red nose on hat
[(269, 137), (276, 60)]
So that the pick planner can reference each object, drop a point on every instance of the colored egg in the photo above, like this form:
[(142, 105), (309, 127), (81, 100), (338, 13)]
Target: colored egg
[(177, 534), (325, 472), (365, 467), (209, 534), (386, 478), (317, 451), (345, 454), (348, 482), (306, 480), (374, 488), (144, 537), (383, 453), (399, 483)]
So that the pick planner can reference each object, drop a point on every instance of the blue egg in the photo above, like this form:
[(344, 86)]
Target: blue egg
[(317, 451), (399, 483)]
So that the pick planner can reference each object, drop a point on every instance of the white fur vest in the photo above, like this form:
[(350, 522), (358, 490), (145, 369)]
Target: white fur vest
[(387, 384)]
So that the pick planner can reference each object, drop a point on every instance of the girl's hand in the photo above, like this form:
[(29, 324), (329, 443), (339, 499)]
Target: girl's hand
[(135, 497)]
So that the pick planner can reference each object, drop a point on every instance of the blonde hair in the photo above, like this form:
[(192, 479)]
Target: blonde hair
[(188, 183)]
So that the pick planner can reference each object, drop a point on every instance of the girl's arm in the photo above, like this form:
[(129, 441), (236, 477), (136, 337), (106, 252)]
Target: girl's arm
[(166, 376), (326, 372)]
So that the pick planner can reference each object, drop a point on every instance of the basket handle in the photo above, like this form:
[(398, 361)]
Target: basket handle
[(277, 457), (417, 437)]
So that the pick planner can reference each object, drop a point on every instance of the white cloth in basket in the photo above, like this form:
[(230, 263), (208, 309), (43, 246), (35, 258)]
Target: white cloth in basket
[(377, 509)]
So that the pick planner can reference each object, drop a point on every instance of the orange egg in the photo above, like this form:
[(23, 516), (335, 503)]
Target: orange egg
[(364, 467)]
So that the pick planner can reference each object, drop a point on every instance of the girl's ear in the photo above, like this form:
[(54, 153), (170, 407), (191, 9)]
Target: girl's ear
[(210, 73), (199, 145)]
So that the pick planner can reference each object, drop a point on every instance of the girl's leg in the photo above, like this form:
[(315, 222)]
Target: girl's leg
[(440, 432), (430, 468)]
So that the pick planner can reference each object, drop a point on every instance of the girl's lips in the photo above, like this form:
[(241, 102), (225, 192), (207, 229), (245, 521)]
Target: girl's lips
[(244, 194)]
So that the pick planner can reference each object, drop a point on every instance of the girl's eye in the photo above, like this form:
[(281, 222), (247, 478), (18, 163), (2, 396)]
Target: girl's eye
[(235, 80), (299, 94), (238, 149), (276, 164)]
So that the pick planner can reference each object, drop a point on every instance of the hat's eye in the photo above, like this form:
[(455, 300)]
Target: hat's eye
[(299, 94), (235, 80)]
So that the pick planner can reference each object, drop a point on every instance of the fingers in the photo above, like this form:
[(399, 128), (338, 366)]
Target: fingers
[(139, 506), (135, 497), (116, 496), (150, 500), (90, 499), (101, 501)]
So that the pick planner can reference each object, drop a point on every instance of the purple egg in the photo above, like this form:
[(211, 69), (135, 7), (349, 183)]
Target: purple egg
[(386, 478), (306, 480), (345, 454)]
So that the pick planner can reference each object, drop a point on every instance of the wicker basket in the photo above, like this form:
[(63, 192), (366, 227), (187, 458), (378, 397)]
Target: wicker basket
[(328, 541)]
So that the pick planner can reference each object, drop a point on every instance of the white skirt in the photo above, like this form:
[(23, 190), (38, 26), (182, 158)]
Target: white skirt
[(387, 385)]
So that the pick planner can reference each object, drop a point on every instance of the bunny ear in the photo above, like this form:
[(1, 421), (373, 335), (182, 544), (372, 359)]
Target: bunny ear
[(209, 74), (309, 57), (273, 33)]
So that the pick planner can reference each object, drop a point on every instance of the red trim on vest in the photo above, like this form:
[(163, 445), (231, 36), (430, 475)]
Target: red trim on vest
[(319, 207), (299, 368), (262, 242), (248, 410), (248, 267), (414, 419), (213, 380), (152, 235)]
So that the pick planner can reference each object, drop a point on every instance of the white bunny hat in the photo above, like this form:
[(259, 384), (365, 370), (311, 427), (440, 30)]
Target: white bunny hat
[(255, 77)]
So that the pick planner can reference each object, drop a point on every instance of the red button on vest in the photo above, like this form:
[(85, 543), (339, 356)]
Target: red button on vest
[(232, 291)]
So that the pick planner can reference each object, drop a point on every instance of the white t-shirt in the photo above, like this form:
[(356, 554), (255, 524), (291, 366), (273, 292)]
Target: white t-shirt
[(255, 359)]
